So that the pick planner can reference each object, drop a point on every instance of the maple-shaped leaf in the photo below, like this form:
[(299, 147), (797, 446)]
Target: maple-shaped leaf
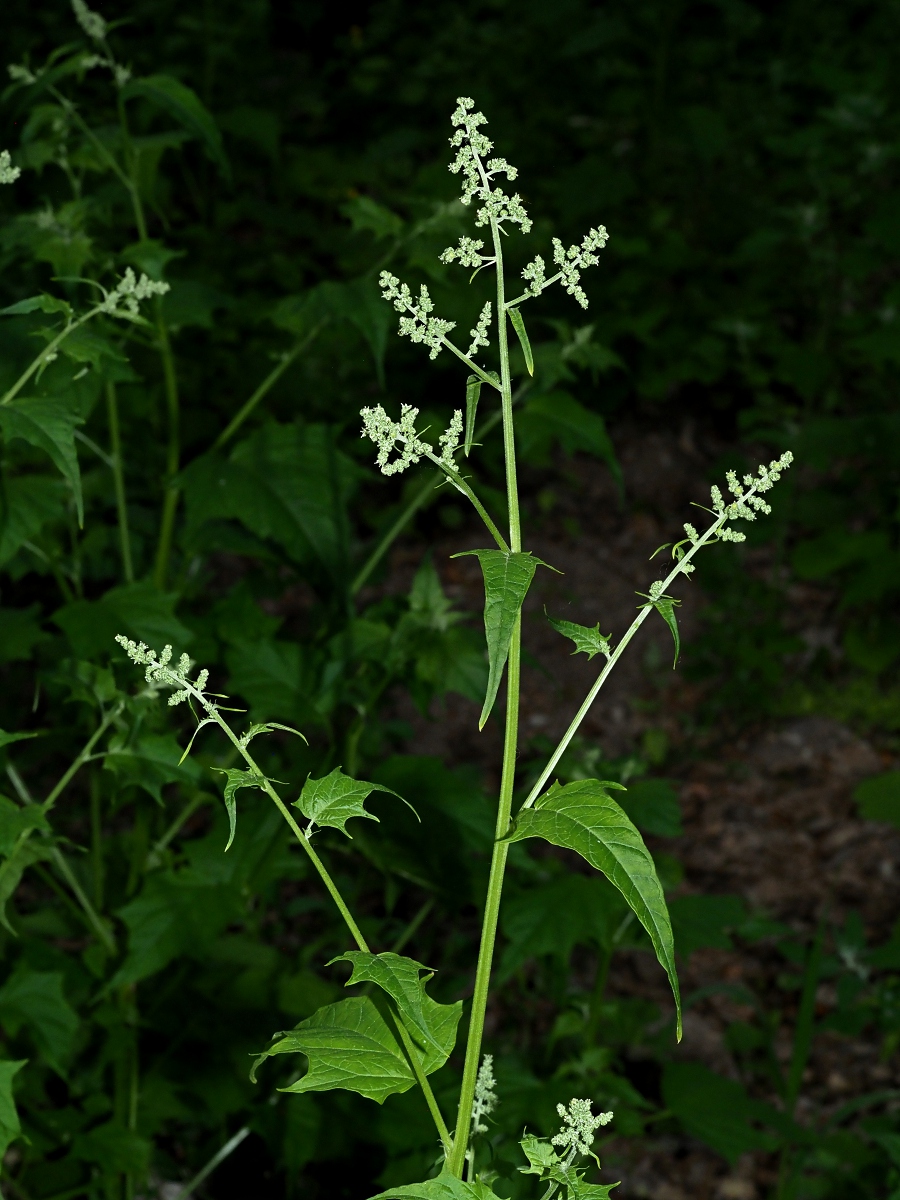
[(335, 798)]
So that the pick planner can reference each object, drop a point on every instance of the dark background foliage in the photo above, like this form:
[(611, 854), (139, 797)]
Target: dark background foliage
[(743, 157)]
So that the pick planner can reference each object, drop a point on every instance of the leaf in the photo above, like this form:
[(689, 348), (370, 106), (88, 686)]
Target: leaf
[(518, 324), (665, 606), (587, 641), (348, 1045), (718, 1111), (24, 854), (364, 213), (10, 1128), (335, 798), (42, 303), (579, 1190), (360, 303), (583, 817), (473, 394), (137, 609), (182, 103), (653, 806), (558, 418), (29, 502), (879, 798), (20, 631), (36, 1000), (16, 820), (700, 921), (432, 1025), (6, 739), (114, 1148), (49, 424), (236, 779), (151, 762), (445, 1187), (507, 578), (540, 1154)]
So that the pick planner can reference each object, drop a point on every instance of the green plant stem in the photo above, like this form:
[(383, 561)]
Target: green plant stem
[(219, 1157), (173, 451), (266, 386), (84, 755), (460, 484), (355, 932), (115, 447), (457, 1160)]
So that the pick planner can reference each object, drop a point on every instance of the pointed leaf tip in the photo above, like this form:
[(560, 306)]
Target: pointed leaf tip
[(335, 798)]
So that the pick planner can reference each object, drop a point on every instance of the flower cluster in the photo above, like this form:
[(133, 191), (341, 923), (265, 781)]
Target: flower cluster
[(449, 439), (577, 1132), (391, 435), (124, 300), (420, 327), (479, 333), (471, 146), (8, 173), (573, 261), (21, 74), (160, 674), (466, 253), (485, 1096), (535, 276), (746, 504), (120, 74), (91, 22)]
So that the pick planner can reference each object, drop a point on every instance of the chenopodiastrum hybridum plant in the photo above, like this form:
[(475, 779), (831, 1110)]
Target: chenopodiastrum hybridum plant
[(392, 1036)]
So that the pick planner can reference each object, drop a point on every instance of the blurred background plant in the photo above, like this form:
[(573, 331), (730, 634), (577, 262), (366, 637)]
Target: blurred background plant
[(267, 161)]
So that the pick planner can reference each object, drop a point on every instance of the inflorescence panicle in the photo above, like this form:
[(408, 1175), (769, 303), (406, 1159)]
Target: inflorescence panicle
[(159, 672), (8, 173), (471, 147), (485, 1096), (420, 326), (402, 436), (479, 333), (467, 253), (91, 22), (124, 300), (579, 1126), (746, 503)]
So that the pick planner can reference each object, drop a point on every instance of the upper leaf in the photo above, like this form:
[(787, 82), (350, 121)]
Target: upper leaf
[(432, 1025), (9, 1117), (49, 424), (335, 798), (507, 578), (518, 324), (665, 606), (349, 1045), (582, 816), (234, 779), (43, 302), (587, 641), (182, 103)]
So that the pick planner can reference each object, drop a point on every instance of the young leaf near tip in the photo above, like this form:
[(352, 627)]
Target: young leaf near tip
[(583, 817), (432, 1025), (235, 779), (473, 394), (587, 641), (507, 578), (335, 798), (665, 606), (518, 325)]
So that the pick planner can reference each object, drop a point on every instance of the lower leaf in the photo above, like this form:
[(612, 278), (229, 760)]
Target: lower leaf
[(445, 1187)]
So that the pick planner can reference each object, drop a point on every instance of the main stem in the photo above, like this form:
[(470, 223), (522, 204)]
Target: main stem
[(457, 1160)]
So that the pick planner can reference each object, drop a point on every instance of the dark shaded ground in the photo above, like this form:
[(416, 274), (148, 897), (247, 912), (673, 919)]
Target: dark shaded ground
[(768, 813)]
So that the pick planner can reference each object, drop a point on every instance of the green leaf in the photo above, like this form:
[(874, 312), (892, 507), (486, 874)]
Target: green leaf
[(653, 806), (360, 303), (579, 1190), (10, 1128), (364, 213), (42, 303), (507, 578), (20, 631), (583, 817), (445, 1187), (114, 1148), (36, 1000), (235, 779), (587, 641), (49, 424), (557, 418), (432, 1025), (518, 324), (348, 1045), (137, 609), (718, 1111), (29, 502), (700, 921), (335, 798), (24, 854), (6, 739), (540, 1154), (15, 820), (665, 606), (473, 394), (151, 762), (184, 105), (879, 798)]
